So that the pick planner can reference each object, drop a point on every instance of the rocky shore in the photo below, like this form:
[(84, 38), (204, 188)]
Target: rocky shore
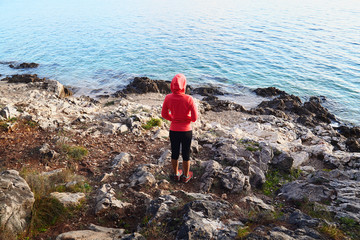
[(80, 168)]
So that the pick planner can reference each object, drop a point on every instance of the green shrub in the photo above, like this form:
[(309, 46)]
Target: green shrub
[(31, 123), (75, 152), (110, 103), (316, 210), (46, 212), (250, 145), (275, 179), (350, 227), (12, 120), (4, 126), (333, 232), (243, 232), (153, 122)]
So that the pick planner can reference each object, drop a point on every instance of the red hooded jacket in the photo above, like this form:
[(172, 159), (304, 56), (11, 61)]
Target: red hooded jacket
[(178, 107)]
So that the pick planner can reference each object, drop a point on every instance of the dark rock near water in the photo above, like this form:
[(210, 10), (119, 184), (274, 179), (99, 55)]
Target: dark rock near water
[(207, 91), (269, 92), (146, 85), (217, 105), (321, 113), (310, 113), (23, 78), (289, 103), (24, 65), (353, 144), (349, 131)]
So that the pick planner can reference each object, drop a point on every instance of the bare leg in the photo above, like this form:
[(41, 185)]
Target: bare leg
[(175, 166), (186, 167)]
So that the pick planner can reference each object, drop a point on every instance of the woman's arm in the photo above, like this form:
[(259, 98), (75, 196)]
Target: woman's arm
[(165, 111), (193, 110)]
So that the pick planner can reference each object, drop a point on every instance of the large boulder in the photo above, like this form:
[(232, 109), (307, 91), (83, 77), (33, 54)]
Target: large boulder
[(16, 202)]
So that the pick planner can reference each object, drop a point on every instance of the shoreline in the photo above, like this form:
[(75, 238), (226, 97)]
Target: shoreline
[(240, 98)]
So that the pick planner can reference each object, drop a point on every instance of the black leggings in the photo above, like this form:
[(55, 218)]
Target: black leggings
[(183, 138)]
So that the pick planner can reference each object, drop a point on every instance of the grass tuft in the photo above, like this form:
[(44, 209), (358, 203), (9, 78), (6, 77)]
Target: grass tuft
[(75, 152), (110, 103), (153, 122), (243, 232), (46, 213), (333, 232), (275, 179)]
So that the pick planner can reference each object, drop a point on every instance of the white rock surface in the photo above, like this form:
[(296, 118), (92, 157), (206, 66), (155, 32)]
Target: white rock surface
[(16, 201), (68, 199)]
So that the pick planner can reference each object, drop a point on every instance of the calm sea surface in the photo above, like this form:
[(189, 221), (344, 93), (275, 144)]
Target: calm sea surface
[(303, 47)]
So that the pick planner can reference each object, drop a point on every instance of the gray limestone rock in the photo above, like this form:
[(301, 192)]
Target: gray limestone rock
[(9, 112), (47, 152), (282, 162), (105, 200), (16, 201), (57, 88), (164, 156), (257, 177), (234, 180), (212, 169), (301, 220), (256, 203), (120, 160), (142, 176), (160, 207), (202, 221), (301, 190)]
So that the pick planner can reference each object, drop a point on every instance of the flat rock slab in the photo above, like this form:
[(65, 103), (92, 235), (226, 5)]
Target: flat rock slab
[(68, 199)]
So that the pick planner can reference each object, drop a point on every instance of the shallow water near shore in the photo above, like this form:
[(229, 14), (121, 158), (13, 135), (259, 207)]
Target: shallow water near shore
[(302, 47)]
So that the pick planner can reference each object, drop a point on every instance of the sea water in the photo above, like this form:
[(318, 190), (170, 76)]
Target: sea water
[(307, 48)]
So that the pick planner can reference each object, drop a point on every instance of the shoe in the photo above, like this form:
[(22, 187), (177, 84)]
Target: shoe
[(178, 176), (186, 179)]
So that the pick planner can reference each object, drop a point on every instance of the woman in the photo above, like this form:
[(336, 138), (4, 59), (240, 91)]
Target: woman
[(180, 109)]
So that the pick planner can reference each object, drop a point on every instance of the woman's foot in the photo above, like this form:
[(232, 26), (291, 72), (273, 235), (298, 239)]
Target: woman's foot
[(187, 178), (177, 176)]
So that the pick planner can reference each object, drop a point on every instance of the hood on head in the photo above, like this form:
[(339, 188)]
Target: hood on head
[(178, 84)]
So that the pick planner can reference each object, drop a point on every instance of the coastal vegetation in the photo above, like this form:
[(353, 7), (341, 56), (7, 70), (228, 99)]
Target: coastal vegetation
[(153, 122)]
